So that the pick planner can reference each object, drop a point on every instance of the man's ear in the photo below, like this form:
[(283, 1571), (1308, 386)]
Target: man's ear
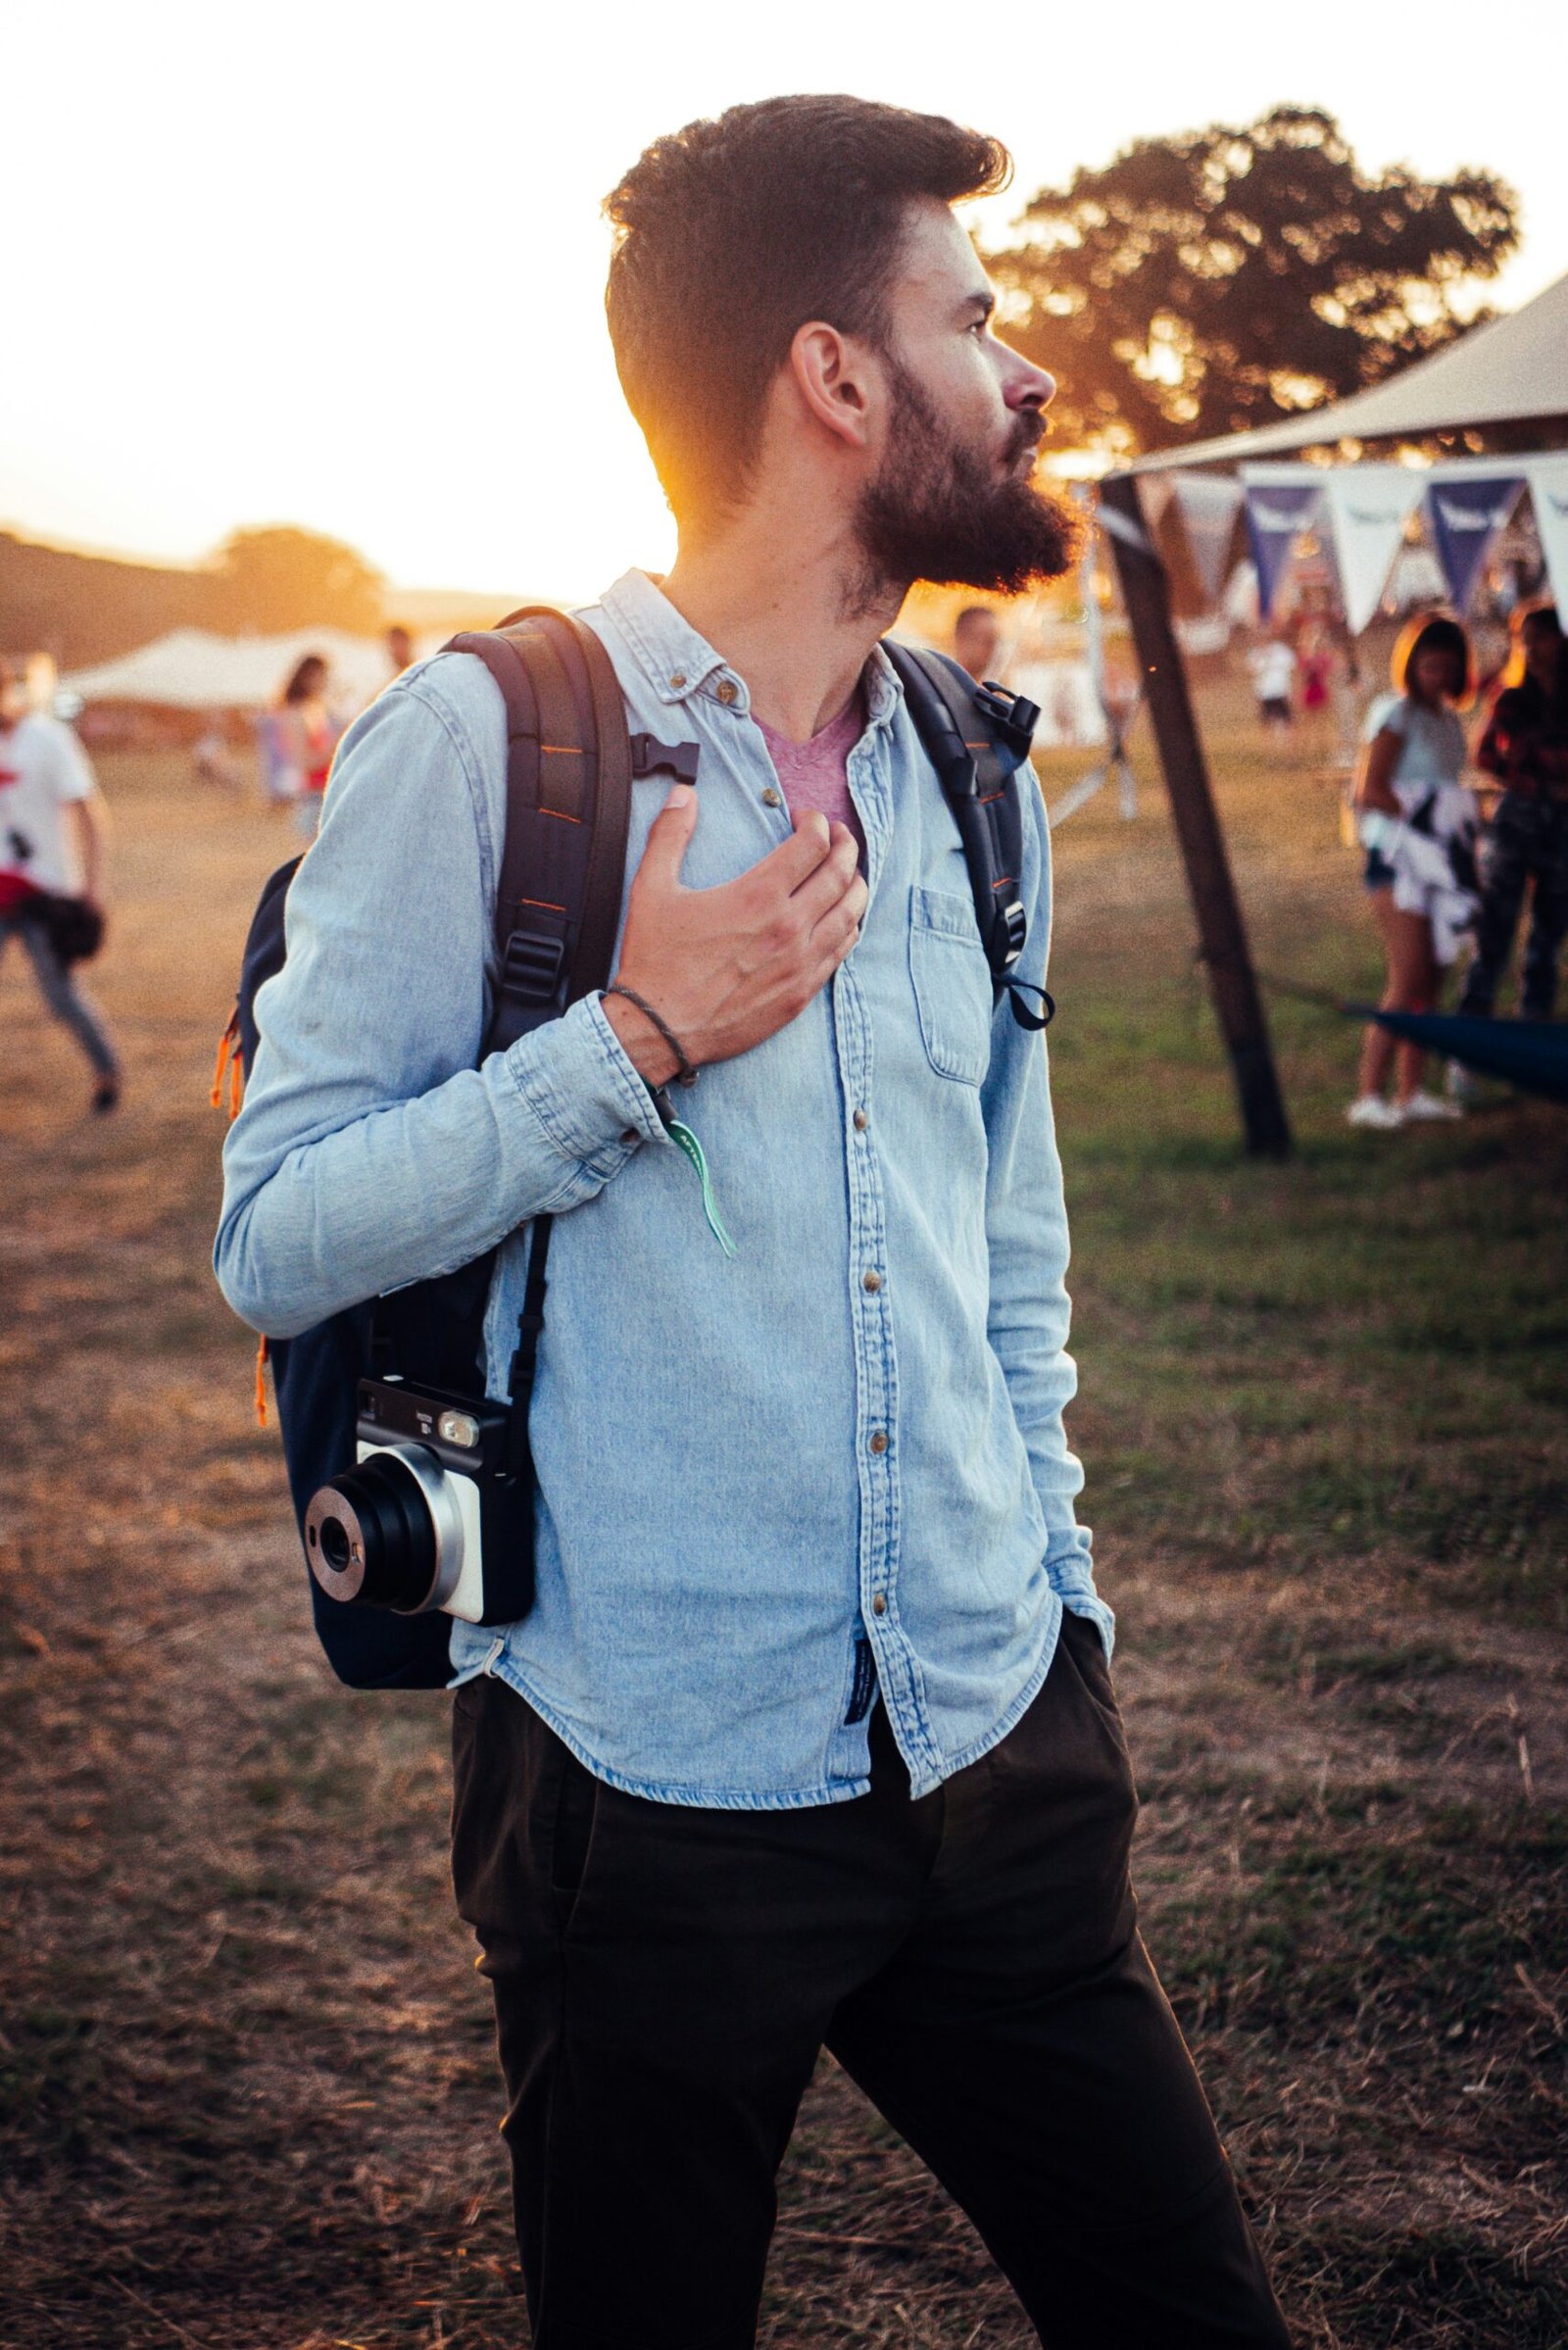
[(831, 375)]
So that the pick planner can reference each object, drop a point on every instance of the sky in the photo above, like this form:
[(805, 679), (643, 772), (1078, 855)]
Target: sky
[(343, 265)]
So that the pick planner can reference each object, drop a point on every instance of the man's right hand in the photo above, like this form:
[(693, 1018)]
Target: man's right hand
[(728, 967)]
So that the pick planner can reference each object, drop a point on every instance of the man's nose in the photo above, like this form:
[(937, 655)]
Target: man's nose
[(1026, 385)]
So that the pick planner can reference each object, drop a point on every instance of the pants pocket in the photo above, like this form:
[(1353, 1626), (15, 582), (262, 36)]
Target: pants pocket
[(571, 1834)]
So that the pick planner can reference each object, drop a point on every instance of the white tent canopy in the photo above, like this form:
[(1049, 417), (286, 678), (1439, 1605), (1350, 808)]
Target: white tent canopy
[(1512, 371), (191, 669)]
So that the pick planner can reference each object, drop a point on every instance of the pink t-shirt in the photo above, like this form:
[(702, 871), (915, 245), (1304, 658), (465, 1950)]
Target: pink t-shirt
[(816, 774)]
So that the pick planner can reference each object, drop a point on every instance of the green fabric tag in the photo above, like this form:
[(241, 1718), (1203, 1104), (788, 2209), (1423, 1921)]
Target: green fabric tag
[(687, 1140)]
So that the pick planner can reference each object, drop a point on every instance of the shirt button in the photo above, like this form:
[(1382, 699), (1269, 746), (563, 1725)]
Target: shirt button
[(879, 1440), (678, 680), (870, 1281), (726, 689), (630, 1135), (880, 1606), (772, 798), (860, 1122)]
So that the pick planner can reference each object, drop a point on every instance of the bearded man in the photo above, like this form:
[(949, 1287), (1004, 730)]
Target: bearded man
[(808, 1738)]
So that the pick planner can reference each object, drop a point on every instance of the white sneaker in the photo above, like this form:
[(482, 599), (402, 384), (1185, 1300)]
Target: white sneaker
[(1422, 1105), (1459, 1084), (1370, 1110)]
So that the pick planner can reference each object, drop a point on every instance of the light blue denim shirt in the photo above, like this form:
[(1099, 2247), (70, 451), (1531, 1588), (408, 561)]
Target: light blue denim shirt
[(758, 1474)]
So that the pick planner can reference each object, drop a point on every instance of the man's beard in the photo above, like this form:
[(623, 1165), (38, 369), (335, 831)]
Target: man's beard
[(941, 511)]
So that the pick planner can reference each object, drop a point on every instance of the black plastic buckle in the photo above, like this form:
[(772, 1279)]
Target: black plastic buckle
[(649, 756), (1013, 716), (530, 968)]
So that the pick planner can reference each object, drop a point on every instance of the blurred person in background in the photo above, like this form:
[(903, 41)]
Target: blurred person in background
[(399, 648), (1273, 667), (976, 635), (1525, 840), (1314, 653), (213, 759), (1418, 827), (307, 735), (1344, 696), (52, 832)]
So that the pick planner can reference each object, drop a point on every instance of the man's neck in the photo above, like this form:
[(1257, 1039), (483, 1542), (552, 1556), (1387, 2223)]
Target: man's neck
[(780, 600)]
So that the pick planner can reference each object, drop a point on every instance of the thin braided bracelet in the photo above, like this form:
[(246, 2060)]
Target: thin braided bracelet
[(686, 1072)]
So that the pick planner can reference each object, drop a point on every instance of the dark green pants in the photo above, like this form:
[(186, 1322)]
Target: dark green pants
[(1525, 844), (664, 1978)]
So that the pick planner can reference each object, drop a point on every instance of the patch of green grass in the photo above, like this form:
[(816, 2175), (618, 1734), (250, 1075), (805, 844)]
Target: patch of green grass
[(1287, 1645), (1377, 1937)]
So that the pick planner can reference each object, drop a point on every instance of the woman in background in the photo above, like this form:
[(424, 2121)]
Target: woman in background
[(1524, 745), (1417, 823), (308, 734)]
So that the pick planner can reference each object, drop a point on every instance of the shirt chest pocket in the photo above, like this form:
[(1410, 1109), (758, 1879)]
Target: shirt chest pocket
[(951, 982)]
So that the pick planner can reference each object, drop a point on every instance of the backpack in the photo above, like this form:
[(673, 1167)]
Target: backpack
[(557, 914)]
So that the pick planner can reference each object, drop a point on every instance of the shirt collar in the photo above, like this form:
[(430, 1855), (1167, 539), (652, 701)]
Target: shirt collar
[(677, 662), (680, 664)]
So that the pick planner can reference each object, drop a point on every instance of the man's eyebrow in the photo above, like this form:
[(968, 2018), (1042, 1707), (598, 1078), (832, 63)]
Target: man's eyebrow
[(982, 301)]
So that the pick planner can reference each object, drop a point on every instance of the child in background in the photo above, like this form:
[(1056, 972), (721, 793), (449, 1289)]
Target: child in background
[(1273, 667)]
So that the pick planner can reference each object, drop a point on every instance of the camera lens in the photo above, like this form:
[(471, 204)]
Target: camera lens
[(387, 1533), (336, 1548)]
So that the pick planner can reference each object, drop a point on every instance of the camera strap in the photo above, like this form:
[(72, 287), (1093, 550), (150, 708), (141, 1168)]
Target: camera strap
[(525, 1355)]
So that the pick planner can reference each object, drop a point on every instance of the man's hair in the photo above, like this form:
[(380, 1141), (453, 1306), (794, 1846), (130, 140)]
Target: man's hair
[(731, 235)]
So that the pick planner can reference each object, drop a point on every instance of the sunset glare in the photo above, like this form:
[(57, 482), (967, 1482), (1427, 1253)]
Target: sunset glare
[(343, 265)]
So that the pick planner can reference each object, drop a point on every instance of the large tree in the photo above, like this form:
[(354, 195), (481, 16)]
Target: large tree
[(276, 578), (1218, 280)]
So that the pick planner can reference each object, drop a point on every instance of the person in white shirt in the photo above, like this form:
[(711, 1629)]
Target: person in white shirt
[(1273, 667), (1417, 823), (52, 831)]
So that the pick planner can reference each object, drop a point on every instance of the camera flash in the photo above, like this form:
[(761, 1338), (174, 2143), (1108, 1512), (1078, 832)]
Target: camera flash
[(457, 1428)]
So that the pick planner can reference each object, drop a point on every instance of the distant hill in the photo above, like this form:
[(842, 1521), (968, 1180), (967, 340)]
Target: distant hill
[(432, 610), (86, 608)]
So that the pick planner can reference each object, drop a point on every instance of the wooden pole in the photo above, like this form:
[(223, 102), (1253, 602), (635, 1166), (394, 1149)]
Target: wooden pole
[(1222, 931)]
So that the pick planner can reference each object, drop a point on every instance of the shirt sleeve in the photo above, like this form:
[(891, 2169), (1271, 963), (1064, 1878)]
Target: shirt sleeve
[(69, 773), (1387, 716), (1026, 1226), (370, 1150)]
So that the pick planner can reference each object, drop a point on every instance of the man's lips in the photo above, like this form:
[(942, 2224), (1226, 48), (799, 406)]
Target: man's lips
[(1023, 447)]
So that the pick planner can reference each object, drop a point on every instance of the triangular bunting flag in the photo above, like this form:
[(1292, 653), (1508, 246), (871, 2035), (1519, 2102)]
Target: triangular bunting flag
[(1208, 504), (1154, 496), (1277, 513), (1465, 517), (1548, 494), (1368, 508)]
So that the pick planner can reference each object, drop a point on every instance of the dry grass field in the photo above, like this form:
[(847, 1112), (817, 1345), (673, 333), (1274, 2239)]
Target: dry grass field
[(247, 2093)]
